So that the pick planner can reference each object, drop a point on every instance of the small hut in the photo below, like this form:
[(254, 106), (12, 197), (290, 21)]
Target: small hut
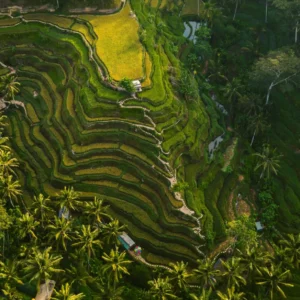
[(137, 85), (126, 241), (259, 226)]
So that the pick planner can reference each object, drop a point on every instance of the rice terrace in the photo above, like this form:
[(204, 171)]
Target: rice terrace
[(119, 100), (80, 131)]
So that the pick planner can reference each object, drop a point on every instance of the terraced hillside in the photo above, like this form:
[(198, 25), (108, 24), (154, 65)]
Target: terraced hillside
[(80, 133)]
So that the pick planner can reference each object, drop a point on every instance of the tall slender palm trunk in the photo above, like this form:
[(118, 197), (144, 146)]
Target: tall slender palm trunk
[(269, 92), (3, 245), (262, 174), (253, 137), (266, 15), (296, 32), (235, 10)]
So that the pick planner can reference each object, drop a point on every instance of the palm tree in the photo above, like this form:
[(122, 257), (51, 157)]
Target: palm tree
[(87, 240), (3, 141), (161, 289), (11, 292), (10, 189), (7, 163), (97, 210), (209, 11), (60, 232), (237, 2), (257, 124), (12, 87), (107, 292), (251, 104), (268, 161), (68, 198), (273, 278), (280, 257), (204, 295), (9, 272), (40, 207), (112, 230), (179, 274), (206, 273), (233, 89), (232, 92), (41, 265), (252, 258), (115, 265), (26, 250), (3, 123), (292, 248), (6, 221), (231, 295), (78, 274), (65, 294), (232, 272), (27, 225)]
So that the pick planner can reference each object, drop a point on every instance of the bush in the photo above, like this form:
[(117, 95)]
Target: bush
[(140, 275), (127, 85)]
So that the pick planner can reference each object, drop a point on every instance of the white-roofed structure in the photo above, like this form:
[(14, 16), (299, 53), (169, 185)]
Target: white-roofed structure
[(137, 85), (259, 226), (126, 240)]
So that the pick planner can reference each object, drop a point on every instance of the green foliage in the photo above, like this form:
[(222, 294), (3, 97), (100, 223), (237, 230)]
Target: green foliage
[(65, 293), (127, 85), (180, 187), (269, 210), (277, 67), (5, 221), (139, 275), (188, 86), (268, 161), (243, 230), (41, 265)]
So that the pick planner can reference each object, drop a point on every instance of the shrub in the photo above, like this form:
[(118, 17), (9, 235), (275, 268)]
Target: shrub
[(127, 85)]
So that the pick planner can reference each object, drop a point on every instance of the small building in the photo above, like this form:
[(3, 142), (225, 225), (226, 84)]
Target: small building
[(64, 213), (126, 241), (137, 85), (259, 226)]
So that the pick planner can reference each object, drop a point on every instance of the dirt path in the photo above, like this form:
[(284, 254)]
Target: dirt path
[(142, 260)]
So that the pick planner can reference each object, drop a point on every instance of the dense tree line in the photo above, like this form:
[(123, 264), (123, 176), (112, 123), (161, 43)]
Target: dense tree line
[(234, 62)]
